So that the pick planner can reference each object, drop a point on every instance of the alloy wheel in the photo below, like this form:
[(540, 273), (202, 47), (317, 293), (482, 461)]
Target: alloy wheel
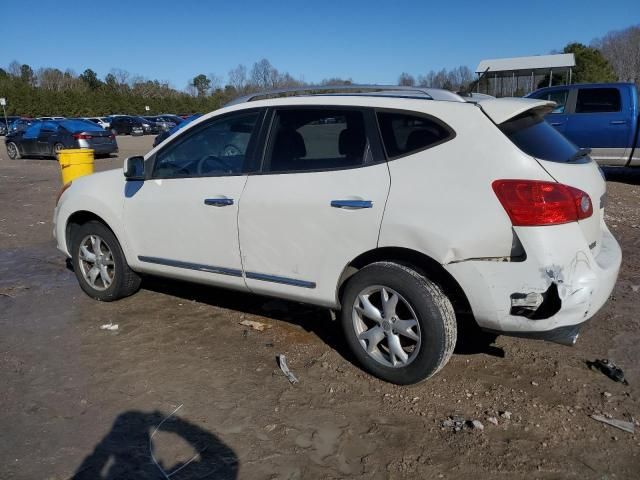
[(96, 262), (386, 326)]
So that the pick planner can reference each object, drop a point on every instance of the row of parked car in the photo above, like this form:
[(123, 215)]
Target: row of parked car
[(46, 136), (117, 124)]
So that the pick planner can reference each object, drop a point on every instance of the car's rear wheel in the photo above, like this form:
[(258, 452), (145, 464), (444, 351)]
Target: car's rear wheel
[(13, 151), (400, 325), (100, 265)]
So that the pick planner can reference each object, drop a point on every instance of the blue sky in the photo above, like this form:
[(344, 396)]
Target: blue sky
[(365, 41)]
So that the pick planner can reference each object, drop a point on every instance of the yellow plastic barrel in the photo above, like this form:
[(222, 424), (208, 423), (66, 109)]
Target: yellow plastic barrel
[(74, 163)]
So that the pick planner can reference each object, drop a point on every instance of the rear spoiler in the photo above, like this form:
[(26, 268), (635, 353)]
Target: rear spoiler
[(501, 110)]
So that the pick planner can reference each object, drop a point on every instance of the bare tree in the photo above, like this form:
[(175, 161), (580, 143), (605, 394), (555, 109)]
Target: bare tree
[(14, 68), (406, 79), (215, 82), (622, 49), (238, 78), (264, 75), (121, 76)]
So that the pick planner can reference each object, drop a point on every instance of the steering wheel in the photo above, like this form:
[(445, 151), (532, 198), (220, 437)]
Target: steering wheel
[(210, 163)]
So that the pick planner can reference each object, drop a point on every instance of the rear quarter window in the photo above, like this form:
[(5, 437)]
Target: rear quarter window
[(535, 137), (404, 134)]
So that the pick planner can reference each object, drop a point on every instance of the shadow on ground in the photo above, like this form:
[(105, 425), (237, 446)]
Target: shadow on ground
[(125, 452), (629, 175), (317, 320)]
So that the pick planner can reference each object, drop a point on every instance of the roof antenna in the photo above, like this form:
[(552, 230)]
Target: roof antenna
[(467, 92)]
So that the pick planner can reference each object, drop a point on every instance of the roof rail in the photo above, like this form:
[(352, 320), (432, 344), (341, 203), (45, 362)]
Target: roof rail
[(389, 90)]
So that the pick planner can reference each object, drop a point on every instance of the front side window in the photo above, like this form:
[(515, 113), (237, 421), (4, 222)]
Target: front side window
[(217, 148), (317, 139), (598, 100), (404, 134)]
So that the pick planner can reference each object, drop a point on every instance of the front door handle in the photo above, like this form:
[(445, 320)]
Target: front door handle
[(351, 204), (556, 124), (617, 122), (218, 202)]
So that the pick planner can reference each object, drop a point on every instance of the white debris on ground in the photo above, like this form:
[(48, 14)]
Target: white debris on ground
[(109, 326), (259, 326)]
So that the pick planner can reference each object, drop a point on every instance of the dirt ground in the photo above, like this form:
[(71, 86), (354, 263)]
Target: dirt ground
[(80, 400)]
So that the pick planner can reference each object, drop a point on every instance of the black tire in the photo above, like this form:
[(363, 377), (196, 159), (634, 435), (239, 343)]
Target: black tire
[(125, 281), (433, 311), (13, 151), (56, 149)]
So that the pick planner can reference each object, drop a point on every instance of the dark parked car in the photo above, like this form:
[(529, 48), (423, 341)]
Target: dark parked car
[(150, 127), (160, 138), (163, 123), (126, 125), (47, 138)]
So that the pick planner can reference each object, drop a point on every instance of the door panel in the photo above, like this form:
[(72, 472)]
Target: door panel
[(183, 221), (305, 219), (175, 232)]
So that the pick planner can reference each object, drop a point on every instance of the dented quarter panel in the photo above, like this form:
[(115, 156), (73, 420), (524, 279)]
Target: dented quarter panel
[(557, 254)]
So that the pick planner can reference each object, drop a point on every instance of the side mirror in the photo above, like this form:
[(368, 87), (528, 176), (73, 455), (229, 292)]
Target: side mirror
[(134, 168)]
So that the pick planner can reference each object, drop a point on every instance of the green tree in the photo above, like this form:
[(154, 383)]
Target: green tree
[(591, 66), (26, 74), (90, 78), (201, 84)]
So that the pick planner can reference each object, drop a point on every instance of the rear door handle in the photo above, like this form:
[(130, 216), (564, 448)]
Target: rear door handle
[(557, 124), (351, 204), (617, 122), (218, 202)]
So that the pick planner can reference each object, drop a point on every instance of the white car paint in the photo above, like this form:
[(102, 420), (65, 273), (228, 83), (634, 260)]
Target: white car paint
[(437, 202)]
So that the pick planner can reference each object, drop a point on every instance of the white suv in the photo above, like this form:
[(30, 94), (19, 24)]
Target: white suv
[(402, 209)]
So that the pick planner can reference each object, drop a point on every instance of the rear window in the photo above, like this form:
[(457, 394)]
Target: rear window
[(404, 134), (537, 138), (598, 100), (80, 125)]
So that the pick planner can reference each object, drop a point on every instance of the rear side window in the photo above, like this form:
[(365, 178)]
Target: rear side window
[(598, 100), (317, 139), (537, 138), (404, 134)]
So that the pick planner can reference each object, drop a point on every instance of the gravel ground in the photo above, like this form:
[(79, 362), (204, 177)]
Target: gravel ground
[(80, 400)]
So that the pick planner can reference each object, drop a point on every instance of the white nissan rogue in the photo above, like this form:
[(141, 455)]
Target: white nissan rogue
[(402, 209)]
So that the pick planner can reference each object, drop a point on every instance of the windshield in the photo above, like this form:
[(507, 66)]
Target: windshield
[(534, 136)]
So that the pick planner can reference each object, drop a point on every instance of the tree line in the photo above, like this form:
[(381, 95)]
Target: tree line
[(51, 91)]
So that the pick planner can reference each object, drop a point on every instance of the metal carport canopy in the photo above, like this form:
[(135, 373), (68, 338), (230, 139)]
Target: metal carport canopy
[(502, 66)]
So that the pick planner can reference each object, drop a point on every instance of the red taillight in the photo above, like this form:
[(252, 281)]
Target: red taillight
[(533, 202), (82, 136)]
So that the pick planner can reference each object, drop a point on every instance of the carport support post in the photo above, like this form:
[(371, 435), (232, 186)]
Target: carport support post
[(550, 76), (531, 90), (570, 71)]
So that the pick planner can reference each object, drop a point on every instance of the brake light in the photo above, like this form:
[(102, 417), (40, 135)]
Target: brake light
[(82, 136), (536, 203)]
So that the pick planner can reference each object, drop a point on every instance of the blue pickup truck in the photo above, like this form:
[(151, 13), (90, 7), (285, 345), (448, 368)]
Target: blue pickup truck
[(599, 116)]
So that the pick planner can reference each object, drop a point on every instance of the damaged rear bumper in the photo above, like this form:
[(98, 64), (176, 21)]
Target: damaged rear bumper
[(561, 284)]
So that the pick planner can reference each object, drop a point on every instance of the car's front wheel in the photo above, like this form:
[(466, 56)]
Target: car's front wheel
[(400, 325), (12, 151), (100, 265)]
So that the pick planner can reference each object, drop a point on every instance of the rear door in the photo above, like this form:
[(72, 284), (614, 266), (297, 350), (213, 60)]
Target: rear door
[(317, 204), (599, 122), (47, 137)]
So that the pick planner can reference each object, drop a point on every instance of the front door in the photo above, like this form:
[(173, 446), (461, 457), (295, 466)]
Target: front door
[(182, 220), (316, 206)]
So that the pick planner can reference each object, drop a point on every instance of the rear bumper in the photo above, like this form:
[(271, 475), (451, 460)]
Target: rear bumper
[(559, 261)]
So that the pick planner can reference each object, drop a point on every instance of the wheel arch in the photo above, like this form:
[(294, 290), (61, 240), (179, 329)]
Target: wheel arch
[(422, 263), (80, 217)]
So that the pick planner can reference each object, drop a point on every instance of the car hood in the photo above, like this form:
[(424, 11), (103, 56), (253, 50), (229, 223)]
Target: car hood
[(502, 109)]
